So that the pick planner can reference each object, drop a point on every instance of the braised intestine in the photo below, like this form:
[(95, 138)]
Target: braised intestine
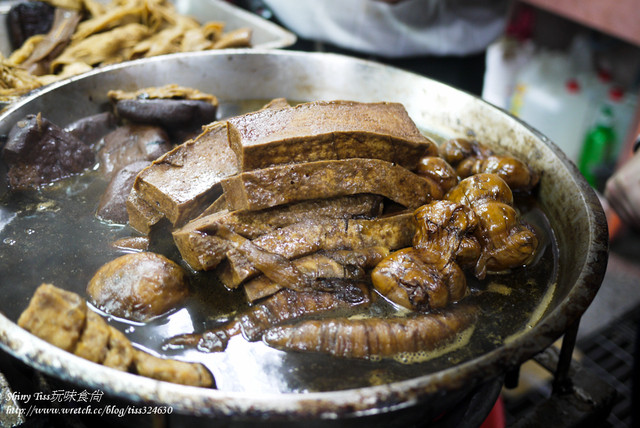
[(506, 241), (426, 276), (470, 157)]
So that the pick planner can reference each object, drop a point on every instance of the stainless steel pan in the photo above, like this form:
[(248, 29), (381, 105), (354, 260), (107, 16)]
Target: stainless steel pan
[(571, 206)]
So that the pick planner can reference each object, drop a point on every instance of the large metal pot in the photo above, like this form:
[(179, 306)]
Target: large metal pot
[(569, 203)]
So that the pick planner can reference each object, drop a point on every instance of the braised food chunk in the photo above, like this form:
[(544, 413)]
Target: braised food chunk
[(132, 243), (170, 106), (39, 152), (288, 305), (195, 239), (373, 337), (142, 215), (339, 264), (470, 157), (314, 235), (167, 92), (285, 305), (283, 184), (138, 286), (445, 233), (94, 342), (456, 150), (274, 266), (405, 278), (55, 315), (328, 130), (507, 242), (171, 370), (517, 174), (119, 351), (92, 128), (131, 143), (112, 206), (169, 114), (252, 224), (439, 170), (63, 319), (181, 183)]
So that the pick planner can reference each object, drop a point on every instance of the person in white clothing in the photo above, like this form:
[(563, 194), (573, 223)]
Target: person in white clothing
[(443, 39)]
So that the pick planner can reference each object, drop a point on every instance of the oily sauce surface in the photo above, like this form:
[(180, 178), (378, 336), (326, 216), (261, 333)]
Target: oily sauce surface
[(52, 235)]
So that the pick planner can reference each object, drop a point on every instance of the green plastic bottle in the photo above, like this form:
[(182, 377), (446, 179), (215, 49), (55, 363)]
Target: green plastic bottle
[(596, 159)]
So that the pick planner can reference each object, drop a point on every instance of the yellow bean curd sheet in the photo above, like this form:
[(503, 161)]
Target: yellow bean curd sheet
[(91, 33)]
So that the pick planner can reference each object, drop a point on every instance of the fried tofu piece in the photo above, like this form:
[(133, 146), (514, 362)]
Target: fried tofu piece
[(119, 351), (62, 318), (55, 315), (94, 340)]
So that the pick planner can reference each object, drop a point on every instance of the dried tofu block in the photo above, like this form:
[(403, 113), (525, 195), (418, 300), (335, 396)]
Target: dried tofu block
[(182, 182), (326, 130), (142, 216)]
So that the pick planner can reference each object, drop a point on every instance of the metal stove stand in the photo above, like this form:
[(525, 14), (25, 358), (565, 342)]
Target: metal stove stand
[(610, 354), (596, 390)]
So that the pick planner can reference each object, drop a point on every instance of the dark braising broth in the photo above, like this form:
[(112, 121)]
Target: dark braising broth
[(53, 236)]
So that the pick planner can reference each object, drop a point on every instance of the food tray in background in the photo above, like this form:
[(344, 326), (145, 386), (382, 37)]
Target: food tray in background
[(266, 34)]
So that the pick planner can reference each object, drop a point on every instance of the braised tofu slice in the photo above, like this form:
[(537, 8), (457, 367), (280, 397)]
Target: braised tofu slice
[(326, 130), (184, 181), (119, 351), (94, 342), (284, 184), (142, 215)]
